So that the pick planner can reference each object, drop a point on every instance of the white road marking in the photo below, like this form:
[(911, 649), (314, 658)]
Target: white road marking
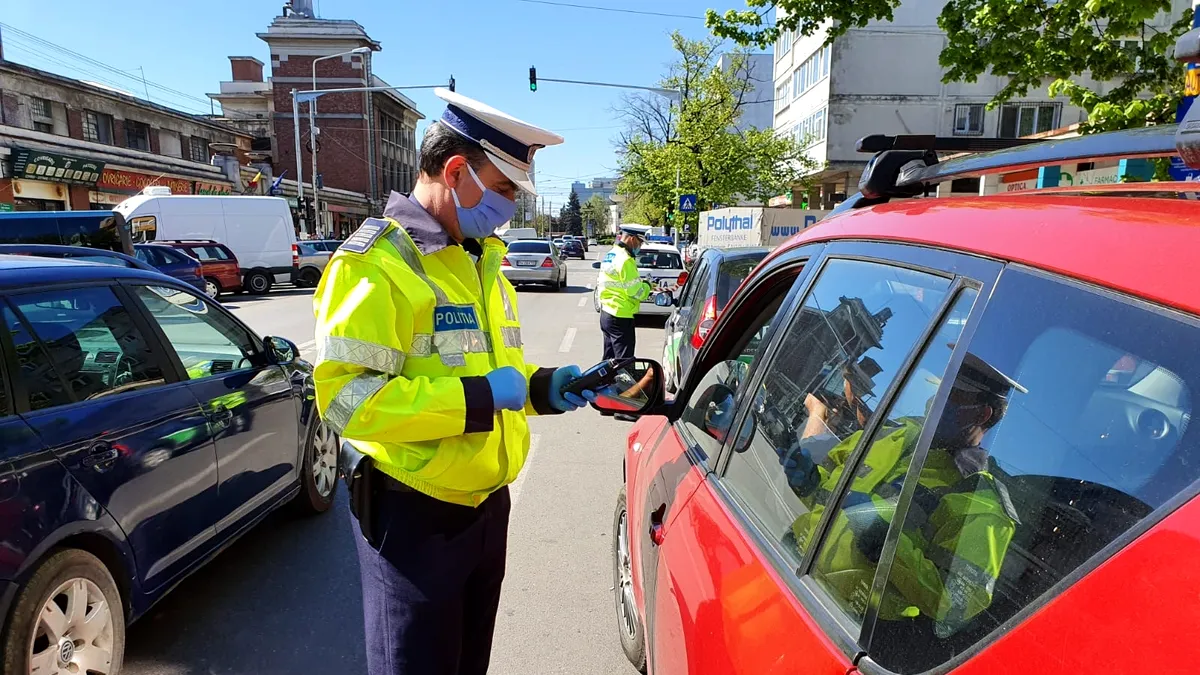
[(568, 338), (583, 301), (307, 345), (514, 490), (590, 287)]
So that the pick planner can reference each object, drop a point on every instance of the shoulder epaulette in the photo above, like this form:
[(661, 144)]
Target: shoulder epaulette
[(366, 235)]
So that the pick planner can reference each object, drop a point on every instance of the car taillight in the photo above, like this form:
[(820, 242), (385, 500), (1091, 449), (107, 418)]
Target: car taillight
[(504, 262), (705, 326), (547, 263), (295, 255)]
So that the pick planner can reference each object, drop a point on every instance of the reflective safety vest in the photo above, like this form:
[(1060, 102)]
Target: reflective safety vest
[(621, 289), (404, 341), (947, 570)]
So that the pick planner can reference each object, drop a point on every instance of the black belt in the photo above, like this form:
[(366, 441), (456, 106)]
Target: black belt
[(392, 485)]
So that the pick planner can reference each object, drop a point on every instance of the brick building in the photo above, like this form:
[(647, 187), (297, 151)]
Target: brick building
[(71, 145), (366, 140)]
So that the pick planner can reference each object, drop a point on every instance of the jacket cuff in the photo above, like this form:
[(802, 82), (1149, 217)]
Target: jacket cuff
[(481, 408), (539, 391)]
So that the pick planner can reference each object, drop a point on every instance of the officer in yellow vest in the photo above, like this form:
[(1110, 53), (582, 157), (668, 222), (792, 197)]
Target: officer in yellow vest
[(420, 369), (945, 568), (621, 291)]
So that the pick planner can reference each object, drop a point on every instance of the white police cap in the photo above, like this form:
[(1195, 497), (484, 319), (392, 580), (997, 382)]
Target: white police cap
[(639, 231), (508, 142)]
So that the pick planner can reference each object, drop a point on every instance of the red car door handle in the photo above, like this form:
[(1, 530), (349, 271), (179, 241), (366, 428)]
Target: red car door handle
[(657, 533)]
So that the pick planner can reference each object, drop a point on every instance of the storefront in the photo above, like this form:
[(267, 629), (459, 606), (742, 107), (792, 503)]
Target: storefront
[(42, 181), (117, 185)]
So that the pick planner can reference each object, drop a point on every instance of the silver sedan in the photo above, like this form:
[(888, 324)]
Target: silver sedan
[(534, 261)]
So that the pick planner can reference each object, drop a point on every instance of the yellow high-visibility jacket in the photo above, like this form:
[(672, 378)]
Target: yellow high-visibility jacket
[(621, 288), (404, 341)]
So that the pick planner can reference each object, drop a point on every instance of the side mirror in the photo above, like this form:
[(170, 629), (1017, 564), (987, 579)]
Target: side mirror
[(596, 265), (664, 299), (281, 350), (637, 389)]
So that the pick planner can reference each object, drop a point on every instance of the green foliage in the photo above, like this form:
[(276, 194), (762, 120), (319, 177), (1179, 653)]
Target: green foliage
[(644, 210), (695, 135), (595, 211), (1032, 41), (570, 219)]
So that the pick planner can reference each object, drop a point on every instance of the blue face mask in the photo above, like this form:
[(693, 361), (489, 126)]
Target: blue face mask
[(481, 220)]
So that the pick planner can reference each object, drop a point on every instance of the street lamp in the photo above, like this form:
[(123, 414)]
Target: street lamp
[(313, 132)]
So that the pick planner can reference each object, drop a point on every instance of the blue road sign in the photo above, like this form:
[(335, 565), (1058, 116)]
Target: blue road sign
[(687, 203)]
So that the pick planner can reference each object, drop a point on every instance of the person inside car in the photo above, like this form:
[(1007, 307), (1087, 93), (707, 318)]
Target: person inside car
[(946, 571)]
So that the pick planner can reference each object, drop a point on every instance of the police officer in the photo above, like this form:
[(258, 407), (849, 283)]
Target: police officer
[(420, 369), (621, 293)]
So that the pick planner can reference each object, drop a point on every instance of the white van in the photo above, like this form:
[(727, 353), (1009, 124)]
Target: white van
[(258, 230)]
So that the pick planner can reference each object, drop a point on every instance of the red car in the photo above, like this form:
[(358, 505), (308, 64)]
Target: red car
[(932, 435), (218, 265)]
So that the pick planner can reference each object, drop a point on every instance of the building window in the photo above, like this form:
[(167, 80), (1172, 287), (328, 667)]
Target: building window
[(137, 135), (1020, 120), (97, 127), (42, 112), (397, 158), (198, 149), (968, 119), (809, 73)]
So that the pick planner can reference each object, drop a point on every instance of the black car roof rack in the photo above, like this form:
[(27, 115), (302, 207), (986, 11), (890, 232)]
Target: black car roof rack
[(908, 166)]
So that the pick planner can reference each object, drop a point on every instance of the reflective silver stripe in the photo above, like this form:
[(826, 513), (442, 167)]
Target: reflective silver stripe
[(361, 353), (508, 308), (625, 285), (511, 336), (452, 342), (348, 400)]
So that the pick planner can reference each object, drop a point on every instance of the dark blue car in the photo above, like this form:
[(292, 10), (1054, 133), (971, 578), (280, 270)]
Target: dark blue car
[(171, 262), (142, 428)]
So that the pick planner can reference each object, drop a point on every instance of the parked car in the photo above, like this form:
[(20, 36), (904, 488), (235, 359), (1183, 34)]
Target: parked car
[(534, 261), (105, 230), (659, 265), (80, 253), (171, 263), (910, 445), (330, 245), (258, 230), (582, 241), (309, 265), (218, 265), (699, 302), (571, 248), (134, 413)]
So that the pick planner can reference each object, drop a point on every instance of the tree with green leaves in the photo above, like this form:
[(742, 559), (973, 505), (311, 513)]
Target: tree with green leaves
[(595, 212), (695, 137), (1070, 44), (569, 217)]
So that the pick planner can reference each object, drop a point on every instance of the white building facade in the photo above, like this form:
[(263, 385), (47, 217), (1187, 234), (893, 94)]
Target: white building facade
[(885, 79)]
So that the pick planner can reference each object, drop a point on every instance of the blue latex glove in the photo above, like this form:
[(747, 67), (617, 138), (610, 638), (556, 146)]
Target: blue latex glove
[(566, 402), (509, 388)]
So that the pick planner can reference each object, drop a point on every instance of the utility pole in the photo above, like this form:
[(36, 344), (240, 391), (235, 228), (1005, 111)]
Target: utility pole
[(299, 164), (681, 214)]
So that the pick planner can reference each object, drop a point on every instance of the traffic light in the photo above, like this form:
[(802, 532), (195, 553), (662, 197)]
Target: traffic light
[(532, 78), (451, 83)]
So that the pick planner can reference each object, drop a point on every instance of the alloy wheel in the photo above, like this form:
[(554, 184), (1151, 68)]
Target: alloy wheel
[(324, 459), (74, 632), (625, 577)]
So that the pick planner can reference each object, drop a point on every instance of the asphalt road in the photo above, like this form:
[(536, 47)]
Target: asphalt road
[(285, 599)]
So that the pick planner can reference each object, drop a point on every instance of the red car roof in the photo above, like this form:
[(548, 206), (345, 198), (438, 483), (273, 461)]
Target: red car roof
[(1147, 247)]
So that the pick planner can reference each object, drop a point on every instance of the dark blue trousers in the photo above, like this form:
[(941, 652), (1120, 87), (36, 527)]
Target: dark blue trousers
[(431, 591)]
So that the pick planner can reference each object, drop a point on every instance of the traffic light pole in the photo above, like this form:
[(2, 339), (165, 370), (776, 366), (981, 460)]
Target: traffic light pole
[(657, 90)]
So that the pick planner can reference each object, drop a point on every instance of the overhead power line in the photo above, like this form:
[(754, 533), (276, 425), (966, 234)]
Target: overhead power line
[(612, 9)]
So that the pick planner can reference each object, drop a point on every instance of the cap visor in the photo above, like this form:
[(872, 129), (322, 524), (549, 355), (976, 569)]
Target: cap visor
[(515, 174)]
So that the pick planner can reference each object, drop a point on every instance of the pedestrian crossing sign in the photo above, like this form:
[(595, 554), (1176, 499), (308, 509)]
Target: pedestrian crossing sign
[(687, 203)]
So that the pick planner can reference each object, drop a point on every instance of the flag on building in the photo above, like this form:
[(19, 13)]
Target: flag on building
[(254, 181)]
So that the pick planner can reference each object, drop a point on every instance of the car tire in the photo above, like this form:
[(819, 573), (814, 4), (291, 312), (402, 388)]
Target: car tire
[(629, 621), (310, 277), (318, 470), (257, 282), (95, 638), (212, 288)]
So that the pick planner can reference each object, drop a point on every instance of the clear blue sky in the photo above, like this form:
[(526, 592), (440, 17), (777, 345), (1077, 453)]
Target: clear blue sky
[(488, 45)]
